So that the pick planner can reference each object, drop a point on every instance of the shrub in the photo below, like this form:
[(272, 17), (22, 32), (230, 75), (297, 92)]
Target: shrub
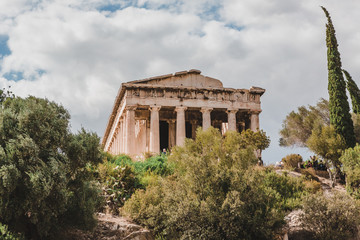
[(351, 167), (118, 184), (44, 185), (120, 177), (5, 234), (331, 217), (312, 186), (215, 193), (291, 161)]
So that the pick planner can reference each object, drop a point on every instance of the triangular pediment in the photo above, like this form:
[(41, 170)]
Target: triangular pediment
[(191, 78)]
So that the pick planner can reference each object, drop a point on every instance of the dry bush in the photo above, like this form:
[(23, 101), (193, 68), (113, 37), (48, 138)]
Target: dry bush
[(331, 217), (291, 161), (312, 186)]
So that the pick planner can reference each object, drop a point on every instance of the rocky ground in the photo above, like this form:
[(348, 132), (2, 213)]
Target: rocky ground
[(293, 230), (112, 228)]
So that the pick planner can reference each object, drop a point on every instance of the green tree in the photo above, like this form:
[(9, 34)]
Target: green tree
[(44, 185), (325, 142), (216, 192), (298, 126), (354, 92), (339, 108)]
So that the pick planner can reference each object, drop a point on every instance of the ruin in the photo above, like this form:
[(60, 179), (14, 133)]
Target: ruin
[(160, 112)]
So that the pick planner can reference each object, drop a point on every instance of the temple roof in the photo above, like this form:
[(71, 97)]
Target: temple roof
[(191, 78)]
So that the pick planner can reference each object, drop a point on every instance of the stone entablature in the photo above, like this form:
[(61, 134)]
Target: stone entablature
[(172, 106)]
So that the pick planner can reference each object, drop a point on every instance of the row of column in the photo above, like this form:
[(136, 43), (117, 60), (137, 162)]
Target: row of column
[(126, 128)]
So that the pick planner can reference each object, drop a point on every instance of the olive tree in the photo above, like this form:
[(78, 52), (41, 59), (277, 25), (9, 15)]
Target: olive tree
[(44, 186)]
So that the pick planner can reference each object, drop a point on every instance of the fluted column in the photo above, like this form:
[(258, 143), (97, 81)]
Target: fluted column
[(180, 126), (206, 117), (254, 121), (130, 130), (154, 129), (123, 134), (232, 119)]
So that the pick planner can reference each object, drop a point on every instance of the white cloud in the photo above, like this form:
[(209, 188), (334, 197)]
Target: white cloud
[(71, 52)]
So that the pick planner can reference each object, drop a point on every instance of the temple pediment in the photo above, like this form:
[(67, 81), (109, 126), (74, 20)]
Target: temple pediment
[(191, 78)]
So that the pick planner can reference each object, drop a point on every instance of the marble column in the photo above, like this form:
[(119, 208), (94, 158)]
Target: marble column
[(232, 119), (206, 117), (121, 139), (180, 126), (130, 130), (154, 129), (254, 121), (123, 134), (172, 133)]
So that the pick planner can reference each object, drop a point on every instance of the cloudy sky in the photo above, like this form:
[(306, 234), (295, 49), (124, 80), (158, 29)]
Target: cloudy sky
[(78, 52)]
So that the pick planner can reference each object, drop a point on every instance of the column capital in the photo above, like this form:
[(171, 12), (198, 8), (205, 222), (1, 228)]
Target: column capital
[(155, 108), (257, 112), (130, 108), (206, 109), (171, 121), (180, 109), (232, 110)]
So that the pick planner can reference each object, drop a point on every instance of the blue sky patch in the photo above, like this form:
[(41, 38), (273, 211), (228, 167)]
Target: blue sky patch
[(234, 26), (212, 12), (111, 7), (4, 48), (14, 75)]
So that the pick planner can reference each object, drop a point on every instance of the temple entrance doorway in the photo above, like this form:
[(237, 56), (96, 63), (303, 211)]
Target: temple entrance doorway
[(164, 135)]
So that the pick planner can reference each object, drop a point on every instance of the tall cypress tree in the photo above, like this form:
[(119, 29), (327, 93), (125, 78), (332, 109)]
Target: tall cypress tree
[(339, 108), (354, 92)]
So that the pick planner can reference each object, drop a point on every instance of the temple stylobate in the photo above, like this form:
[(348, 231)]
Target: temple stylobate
[(160, 112)]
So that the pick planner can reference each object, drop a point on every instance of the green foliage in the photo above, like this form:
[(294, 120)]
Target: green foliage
[(291, 161), (354, 92), (339, 108), (351, 166), (325, 142), (5, 234), (156, 164), (215, 193), (5, 94), (118, 184), (331, 217), (356, 120), (298, 126), (44, 185), (120, 177)]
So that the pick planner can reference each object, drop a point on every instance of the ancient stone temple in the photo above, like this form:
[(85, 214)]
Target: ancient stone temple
[(160, 112)]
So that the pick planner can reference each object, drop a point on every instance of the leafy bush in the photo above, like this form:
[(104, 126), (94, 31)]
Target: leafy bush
[(156, 164), (120, 177), (5, 234), (291, 161), (118, 184), (351, 167), (331, 217), (215, 193), (44, 185)]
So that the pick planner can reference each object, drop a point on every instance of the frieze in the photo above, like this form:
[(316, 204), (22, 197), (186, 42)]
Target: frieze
[(237, 95)]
